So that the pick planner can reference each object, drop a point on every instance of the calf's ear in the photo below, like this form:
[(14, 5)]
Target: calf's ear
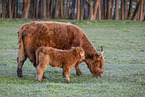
[(77, 49)]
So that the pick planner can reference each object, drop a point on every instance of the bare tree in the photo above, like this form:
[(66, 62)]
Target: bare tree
[(44, 9), (108, 9), (125, 9), (34, 8), (3, 8), (82, 9), (99, 3), (122, 9), (0, 8), (37, 8), (141, 13), (104, 9), (10, 9), (117, 10), (62, 9), (78, 10), (52, 7), (130, 10), (57, 9), (26, 5), (136, 10), (48, 10), (95, 10)]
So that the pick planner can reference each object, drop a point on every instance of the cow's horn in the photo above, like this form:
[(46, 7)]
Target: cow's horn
[(102, 51)]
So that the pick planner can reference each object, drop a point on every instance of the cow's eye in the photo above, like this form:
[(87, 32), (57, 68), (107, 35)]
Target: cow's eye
[(98, 63)]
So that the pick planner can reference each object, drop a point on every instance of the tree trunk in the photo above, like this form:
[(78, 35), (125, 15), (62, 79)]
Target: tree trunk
[(73, 9), (52, 7), (95, 10), (44, 9), (99, 9), (122, 9), (117, 10), (26, 5), (48, 11), (109, 9), (15, 8), (62, 10), (3, 8), (104, 9), (10, 9), (125, 8), (41, 9), (0, 8), (141, 13), (57, 9), (37, 9), (78, 10), (34, 8), (91, 9), (85, 10), (7, 9), (136, 10), (82, 9), (112, 8), (70, 9), (130, 10)]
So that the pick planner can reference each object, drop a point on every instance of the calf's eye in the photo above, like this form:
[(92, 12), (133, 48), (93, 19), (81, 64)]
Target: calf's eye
[(82, 54)]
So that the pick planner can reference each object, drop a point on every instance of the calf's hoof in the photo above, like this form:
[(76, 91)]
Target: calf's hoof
[(68, 81), (79, 73), (44, 77)]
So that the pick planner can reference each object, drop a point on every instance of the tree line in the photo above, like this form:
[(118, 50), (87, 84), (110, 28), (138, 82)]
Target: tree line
[(73, 9)]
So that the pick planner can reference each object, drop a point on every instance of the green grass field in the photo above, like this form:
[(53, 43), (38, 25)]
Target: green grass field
[(124, 69)]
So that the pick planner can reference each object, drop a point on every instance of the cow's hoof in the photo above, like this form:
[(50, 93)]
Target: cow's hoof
[(19, 73), (20, 76)]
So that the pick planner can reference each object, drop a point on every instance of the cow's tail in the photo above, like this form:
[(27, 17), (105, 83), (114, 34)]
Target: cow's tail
[(21, 54)]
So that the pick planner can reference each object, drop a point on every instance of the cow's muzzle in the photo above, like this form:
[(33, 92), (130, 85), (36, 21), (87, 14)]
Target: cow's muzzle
[(99, 74)]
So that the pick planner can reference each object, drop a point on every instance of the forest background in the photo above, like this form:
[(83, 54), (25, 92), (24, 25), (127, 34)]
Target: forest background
[(73, 9)]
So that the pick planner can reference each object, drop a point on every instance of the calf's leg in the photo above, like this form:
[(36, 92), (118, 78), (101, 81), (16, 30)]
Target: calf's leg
[(39, 71), (66, 72), (78, 72)]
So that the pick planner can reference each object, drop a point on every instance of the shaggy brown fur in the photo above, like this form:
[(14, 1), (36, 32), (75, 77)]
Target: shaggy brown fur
[(57, 35), (65, 59)]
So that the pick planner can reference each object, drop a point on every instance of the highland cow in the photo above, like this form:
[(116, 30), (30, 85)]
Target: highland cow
[(57, 35)]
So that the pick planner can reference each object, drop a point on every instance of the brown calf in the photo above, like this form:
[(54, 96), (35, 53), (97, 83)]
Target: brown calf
[(65, 59)]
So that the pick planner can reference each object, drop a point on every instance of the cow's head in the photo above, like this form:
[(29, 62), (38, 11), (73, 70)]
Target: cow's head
[(96, 63)]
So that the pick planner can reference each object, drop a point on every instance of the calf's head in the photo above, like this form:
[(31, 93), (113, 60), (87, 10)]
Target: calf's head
[(95, 63), (79, 52)]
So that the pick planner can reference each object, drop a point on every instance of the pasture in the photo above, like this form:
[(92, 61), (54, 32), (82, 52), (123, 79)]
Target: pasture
[(124, 69)]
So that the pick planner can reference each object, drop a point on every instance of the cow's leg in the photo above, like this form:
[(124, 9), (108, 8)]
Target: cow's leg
[(39, 71), (20, 60), (78, 72)]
